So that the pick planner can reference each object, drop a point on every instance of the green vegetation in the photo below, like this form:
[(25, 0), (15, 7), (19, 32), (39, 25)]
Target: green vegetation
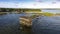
[(33, 16), (2, 13), (44, 13), (15, 10), (48, 14), (19, 10)]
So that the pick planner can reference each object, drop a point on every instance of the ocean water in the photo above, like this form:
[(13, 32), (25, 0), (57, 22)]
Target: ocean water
[(46, 25), (9, 23)]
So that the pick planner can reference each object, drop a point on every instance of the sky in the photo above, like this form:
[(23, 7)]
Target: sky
[(30, 3)]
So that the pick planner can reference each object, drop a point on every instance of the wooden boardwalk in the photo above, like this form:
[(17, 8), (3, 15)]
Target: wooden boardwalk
[(25, 23)]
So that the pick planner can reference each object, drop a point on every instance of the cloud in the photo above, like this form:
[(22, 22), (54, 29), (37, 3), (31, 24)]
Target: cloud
[(29, 5)]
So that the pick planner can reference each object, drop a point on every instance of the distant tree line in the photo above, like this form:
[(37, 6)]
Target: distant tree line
[(8, 9)]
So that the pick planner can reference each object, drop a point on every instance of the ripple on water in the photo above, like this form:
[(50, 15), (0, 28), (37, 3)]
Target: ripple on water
[(9, 24), (46, 25)]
